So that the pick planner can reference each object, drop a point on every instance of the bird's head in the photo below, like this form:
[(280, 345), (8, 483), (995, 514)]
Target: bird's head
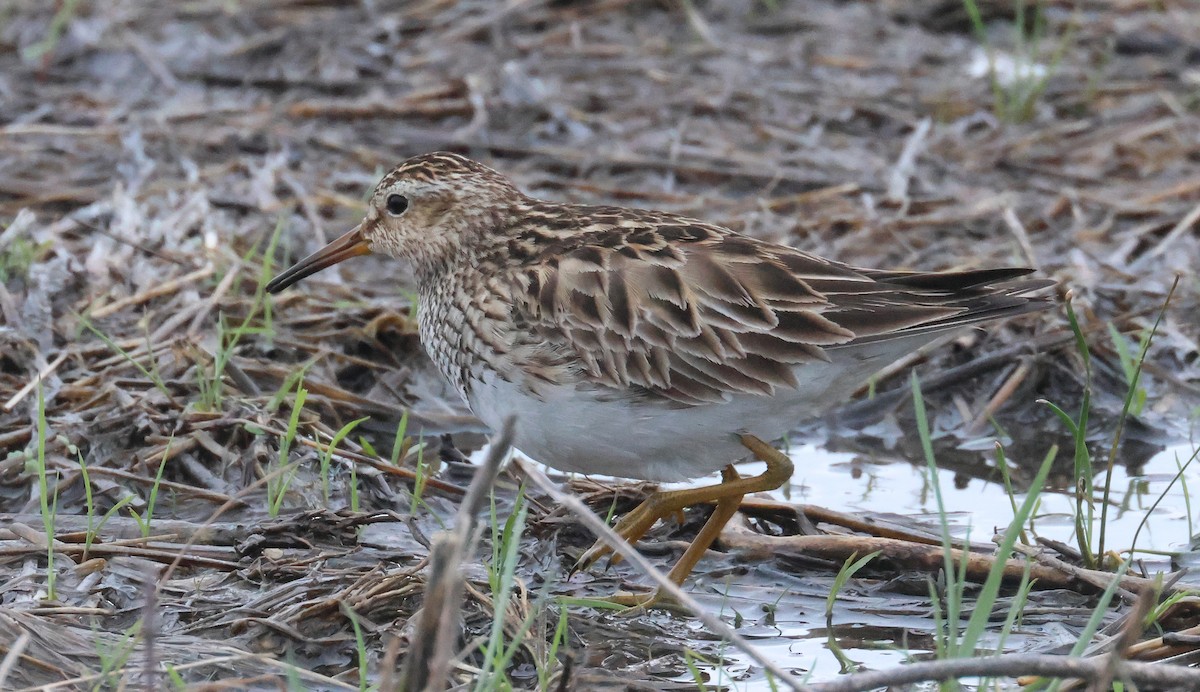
[(427, 211)]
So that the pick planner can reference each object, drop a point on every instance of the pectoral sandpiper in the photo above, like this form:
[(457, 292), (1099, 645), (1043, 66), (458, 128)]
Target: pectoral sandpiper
[(644, 344)]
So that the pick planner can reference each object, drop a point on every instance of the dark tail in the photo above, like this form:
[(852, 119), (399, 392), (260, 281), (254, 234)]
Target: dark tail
[(913, 303)]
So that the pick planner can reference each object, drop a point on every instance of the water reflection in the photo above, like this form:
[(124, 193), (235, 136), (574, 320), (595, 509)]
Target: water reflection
[(887, 475)]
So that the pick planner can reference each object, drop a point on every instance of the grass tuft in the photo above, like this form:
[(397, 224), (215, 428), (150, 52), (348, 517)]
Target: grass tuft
[(150, 374), (954, 646), (1017, 86), (46, 505), (144, 520), (849, 568), (326, 454), (278, 484), (506, 548)]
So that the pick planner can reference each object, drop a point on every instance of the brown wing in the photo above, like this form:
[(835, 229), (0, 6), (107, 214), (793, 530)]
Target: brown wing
[(696, 313)]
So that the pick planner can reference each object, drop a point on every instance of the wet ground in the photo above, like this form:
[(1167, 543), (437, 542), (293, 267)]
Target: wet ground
[(157, 163)]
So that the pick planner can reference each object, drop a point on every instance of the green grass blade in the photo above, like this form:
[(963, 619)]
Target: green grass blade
[(991, 585), (1129, 397), (948, 565)]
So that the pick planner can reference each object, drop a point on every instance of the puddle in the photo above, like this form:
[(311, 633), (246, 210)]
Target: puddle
[(875, 626), (885, 633), (878, 624), (849, 482)]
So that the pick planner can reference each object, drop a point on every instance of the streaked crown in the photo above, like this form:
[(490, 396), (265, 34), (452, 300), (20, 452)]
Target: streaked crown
[(431, 206)]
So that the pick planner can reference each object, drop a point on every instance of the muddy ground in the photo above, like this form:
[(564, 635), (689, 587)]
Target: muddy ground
[(158, 162)]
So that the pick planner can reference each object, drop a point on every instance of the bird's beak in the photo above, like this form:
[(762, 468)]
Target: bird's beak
[(349, 245)]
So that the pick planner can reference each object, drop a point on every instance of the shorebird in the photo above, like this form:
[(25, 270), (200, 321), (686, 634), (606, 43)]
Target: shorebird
[(644, 344)]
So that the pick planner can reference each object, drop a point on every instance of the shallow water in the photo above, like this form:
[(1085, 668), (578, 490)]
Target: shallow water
[(884, 631), (878, 624), (849, 482)]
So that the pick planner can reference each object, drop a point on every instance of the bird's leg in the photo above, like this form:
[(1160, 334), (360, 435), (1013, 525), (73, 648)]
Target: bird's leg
[(725, 509), (727, 495)]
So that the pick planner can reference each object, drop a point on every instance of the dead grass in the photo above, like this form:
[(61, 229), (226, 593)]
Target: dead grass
[(149, 153)]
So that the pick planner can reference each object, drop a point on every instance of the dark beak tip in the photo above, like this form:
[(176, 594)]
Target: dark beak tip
[(350, 244), (279, 283)]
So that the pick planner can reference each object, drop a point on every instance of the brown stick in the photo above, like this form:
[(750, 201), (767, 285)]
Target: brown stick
[(1162, 676), (427, 665), (928, 558)]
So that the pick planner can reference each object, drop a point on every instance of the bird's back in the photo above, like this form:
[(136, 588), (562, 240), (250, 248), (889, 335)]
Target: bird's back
[(662, 306)]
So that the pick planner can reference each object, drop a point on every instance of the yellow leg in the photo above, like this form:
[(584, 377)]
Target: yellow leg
[(727, 495)]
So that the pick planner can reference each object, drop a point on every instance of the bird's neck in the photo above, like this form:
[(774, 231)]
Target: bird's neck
[(482, 240), (454, 262)]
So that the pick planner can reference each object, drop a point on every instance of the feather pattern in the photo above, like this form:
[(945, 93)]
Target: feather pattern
[(675, 308)]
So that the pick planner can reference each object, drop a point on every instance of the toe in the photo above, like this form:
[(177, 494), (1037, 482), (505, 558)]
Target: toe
[(598, 550)]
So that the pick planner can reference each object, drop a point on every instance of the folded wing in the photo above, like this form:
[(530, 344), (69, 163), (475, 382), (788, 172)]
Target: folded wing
[(695, 314)]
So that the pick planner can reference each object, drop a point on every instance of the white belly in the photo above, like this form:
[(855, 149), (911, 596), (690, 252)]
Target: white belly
[(573, 431)]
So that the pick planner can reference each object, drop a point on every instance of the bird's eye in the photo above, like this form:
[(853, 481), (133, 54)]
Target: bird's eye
[(396, 204)]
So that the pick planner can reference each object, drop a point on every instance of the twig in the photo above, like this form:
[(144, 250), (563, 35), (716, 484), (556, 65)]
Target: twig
[(912, 556), (1001, 396), (202, 311), (159, 289), (1169, 644), (11, 658), (195, 311), (902, 172), (427, 665), (621, 547), (1134, 624), (1012, 665), (374, 463), (50, 367), (153, 62), (149, 631), (166, 554), (468, 28), (52, 130), (1018, 229), (1130, 585), (1185, 224)]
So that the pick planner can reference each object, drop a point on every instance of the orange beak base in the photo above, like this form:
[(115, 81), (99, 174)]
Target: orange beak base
[(349, 245)]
